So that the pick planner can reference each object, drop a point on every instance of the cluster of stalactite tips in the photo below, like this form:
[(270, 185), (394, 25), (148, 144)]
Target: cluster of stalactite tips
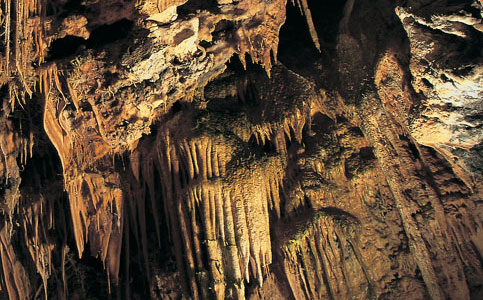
[(241, 149)]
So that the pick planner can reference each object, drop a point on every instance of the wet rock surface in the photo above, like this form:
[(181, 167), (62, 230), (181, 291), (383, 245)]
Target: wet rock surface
[(250, 149)]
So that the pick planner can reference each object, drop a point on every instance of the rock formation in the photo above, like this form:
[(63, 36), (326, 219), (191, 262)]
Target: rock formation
[(241, 149)]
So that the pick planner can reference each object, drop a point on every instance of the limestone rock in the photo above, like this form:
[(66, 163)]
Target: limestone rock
[(241, 149)]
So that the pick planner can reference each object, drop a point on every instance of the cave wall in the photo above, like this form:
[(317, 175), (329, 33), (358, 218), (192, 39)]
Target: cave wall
[(188, 149)]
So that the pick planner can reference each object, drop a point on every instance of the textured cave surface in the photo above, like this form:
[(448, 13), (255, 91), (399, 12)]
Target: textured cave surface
[(241, 149)]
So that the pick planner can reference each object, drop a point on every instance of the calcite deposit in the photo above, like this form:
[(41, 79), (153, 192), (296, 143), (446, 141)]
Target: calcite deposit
[(241, 149)]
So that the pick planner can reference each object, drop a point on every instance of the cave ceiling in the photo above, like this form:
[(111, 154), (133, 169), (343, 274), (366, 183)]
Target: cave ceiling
[(241, 149)]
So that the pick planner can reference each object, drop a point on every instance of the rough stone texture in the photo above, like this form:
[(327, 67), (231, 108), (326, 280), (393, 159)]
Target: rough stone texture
[(251, 149), (446, 65)]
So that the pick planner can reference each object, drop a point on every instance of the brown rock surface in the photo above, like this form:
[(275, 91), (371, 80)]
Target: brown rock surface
[(249, 149)]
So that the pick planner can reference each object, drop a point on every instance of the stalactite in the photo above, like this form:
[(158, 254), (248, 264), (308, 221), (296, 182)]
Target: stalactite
[(305, 10), (437, 230), (228, 178), (27, 46), (36, 223), (11, 148), (262, 41), (98, 217), (214, 205), (20, 79), (96, 200), (317, 253), (14, 275), (234, 229), (7, 33)]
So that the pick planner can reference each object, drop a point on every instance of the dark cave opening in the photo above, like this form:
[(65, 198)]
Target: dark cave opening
[(266, 146), (314, 132), (326, 16), (367, 153), (106, 34), (72, 6), (192, 6), (144, 204), (235, 65), (3, 93), (41, 171), (94, 276), (222, 29), (65, 47), (296, 46), (176, 107), (99, 37)]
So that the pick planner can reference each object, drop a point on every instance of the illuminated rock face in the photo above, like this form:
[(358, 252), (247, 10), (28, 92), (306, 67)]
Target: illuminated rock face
[(250, 149)]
